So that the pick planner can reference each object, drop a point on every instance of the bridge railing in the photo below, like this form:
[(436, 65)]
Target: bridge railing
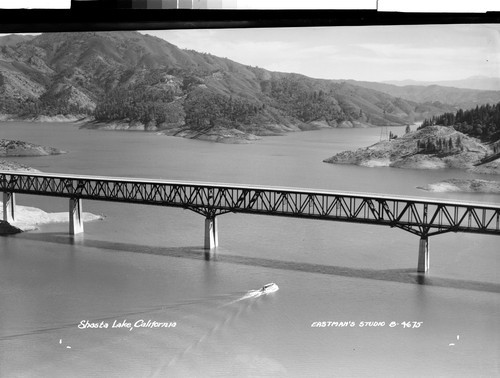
[(418, 216)]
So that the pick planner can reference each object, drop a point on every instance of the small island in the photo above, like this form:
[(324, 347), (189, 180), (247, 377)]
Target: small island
[(432, 147), (20, 148), (214, 134), (17, 148), (29, 218)]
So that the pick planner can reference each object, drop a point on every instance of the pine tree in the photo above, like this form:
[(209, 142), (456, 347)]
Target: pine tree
[(481, 122)]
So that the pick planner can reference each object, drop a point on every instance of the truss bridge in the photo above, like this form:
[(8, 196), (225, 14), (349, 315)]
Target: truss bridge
[(422, 217)]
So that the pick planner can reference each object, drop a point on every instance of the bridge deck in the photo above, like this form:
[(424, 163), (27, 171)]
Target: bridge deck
[(421, 216), (132, 180)]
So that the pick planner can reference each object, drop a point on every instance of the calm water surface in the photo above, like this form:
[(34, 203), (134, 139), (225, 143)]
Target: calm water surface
[(146, 263)]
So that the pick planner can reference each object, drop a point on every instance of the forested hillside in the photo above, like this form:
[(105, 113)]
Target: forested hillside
[(482, 122), (436, 96), (132, 78)]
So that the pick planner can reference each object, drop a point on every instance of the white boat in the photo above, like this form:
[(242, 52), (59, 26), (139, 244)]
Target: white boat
[(269, 288)]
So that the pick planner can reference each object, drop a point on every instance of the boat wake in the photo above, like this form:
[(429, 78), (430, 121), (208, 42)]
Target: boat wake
[(224, 317), (264, 290)]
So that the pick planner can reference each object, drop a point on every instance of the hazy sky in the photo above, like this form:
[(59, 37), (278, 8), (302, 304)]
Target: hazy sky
[(422, 52)]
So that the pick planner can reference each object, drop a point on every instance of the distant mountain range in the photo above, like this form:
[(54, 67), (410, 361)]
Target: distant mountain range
[(138, 79), (474, 82), (458, 97)]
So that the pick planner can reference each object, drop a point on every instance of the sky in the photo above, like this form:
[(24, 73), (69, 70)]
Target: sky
[(371, 53)]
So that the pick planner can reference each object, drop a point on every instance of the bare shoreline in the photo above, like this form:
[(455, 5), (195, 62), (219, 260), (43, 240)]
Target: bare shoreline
[(464, 186), (29, 218)]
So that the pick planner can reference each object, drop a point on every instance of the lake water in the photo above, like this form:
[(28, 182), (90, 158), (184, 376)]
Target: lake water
[(145, 263)]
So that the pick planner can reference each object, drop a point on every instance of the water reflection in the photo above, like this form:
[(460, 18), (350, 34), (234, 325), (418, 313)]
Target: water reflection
[(404, 275)]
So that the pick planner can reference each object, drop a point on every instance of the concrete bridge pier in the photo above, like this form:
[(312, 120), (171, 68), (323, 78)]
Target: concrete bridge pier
[(75, 216), (211, 236), (423, 255), (9, 206)]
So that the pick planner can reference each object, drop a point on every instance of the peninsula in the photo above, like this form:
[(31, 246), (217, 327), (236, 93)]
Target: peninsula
[(29, 218), (19, 148), (433, 147)]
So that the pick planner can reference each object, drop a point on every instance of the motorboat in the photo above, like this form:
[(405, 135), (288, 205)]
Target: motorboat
[(269, 288)]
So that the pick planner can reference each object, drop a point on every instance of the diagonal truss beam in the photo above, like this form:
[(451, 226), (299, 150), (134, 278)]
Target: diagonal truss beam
[(419, 216)]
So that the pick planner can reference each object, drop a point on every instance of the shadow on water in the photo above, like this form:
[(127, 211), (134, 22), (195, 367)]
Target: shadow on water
[(408, 276)]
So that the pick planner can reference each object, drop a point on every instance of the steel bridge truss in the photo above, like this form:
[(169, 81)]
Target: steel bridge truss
[(420, 217)]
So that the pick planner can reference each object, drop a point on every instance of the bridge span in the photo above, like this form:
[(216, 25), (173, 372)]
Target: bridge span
[(419, 216)]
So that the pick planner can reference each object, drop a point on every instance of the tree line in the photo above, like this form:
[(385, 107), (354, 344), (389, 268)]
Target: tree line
[(482, 122), (295, 98), (440, 145), (204, 109), (141, 104), (46, 105)]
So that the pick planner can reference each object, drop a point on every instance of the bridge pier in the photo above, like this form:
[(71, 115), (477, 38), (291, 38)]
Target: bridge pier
[(423, 255), (9, 206), (211, 235), (75, 216)]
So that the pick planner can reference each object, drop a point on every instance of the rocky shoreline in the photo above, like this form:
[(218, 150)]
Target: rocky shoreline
[(6, 165), (433, 147), (450, 149), (241, 135), (19, 148), (231, 136), (464, 186), (29, 218), (44, 118), (220, 135), (16, 148), (492, 167)]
